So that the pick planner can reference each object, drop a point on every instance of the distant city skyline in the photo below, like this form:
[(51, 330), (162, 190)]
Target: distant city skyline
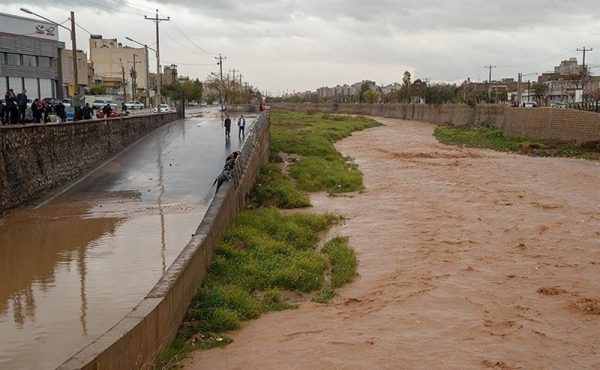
[(286, 46)]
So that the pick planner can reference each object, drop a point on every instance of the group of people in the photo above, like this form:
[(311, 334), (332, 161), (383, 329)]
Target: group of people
[(13, 110), (241, 126), (14, 107), (225, 174)]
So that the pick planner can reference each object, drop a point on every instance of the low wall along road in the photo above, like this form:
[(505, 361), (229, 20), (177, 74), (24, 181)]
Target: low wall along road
[(537, 123), (37, 158)]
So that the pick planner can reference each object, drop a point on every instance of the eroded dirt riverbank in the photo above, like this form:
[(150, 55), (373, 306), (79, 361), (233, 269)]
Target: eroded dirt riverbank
[(469, 259)]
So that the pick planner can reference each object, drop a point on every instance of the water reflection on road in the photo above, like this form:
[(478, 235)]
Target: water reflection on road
[(70, 269)]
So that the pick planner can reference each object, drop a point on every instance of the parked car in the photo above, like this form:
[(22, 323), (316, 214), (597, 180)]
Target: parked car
[(66, 102), (530, 105), (99, 103), (164, 108), (559, 105), (135, 105)]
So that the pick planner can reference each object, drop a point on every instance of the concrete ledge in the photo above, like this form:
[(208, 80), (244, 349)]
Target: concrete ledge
[(37, 158), (137, 340)]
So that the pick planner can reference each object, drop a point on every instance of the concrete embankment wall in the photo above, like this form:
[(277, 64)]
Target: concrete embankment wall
[(138, 339), (37, 158), (536, 123)]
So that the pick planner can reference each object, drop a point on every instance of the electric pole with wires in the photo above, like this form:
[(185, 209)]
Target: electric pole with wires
[(158, 79), (220, 63)]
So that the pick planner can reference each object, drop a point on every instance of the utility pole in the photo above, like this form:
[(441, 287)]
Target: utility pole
[(75, 101), (490, 80), (158, 79), (584, 70), (519, 94), (123, 81), (220, 63), (133, 74)]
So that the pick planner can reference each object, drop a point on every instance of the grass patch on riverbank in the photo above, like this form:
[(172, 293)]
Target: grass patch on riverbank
[(311, 137), (490, 138), (264, 254)]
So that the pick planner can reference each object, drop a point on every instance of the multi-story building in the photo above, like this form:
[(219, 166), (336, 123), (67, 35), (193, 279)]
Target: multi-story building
[(30, 57), (67, 69), (114, 62)]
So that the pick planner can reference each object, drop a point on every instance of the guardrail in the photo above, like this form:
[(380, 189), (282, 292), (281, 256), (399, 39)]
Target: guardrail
[(137, 340)]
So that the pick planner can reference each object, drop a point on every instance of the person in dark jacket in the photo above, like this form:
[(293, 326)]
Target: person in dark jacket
[(227, 124), (22, 105), (60, 111), (107, 110), (12, 113), (2, 109), (87, 112), (35, 111)]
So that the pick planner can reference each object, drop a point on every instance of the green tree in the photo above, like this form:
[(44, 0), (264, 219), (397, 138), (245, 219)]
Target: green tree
[(96, 90), (539, 91), (186, 90), (370, 96), (363, 89)]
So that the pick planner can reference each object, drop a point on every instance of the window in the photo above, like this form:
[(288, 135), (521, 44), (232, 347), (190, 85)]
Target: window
[(29, 60), (44, 62), (13, 59), (2, 59)]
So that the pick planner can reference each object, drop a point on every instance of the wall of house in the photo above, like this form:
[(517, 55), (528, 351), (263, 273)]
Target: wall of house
[(535, 123), (139, 338), (37, 158)]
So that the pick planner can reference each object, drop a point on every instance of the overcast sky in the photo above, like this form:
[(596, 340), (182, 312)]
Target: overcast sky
[(305, 44)]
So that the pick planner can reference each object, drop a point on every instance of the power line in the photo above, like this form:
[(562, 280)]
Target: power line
[(177, 28)]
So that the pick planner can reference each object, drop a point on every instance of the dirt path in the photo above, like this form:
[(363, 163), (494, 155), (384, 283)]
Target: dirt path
[(469, 259)]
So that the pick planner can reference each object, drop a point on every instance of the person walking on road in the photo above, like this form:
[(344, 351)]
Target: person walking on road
[(227, 124), (241, 126)]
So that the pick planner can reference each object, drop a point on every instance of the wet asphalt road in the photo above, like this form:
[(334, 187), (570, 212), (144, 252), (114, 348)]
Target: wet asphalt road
[(77, 263)]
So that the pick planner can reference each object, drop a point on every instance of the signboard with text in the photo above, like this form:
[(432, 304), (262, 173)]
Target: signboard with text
[(28, 27)]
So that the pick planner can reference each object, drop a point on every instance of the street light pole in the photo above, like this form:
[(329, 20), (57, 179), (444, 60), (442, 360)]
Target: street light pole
[(75, 101)]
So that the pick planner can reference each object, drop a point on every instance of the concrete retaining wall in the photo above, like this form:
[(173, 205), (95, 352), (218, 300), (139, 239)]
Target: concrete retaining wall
[(535, 123), (37, 158), (137, 340)]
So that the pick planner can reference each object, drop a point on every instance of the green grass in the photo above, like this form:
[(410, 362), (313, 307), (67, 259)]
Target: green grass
[(342, 261), (312, 136), (273, 189), (489, 138)]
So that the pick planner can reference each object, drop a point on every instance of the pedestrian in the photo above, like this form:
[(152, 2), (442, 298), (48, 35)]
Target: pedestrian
[(87, 112), (107, 110), (223, 176), (261, 107), (35, 111), (61, 114), (22, 105), (12, 113), (46, 109), (227, 124), (232, 158), (2, 110), (241, 126)]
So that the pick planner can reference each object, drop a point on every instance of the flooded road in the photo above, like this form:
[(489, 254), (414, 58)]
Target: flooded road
[(74, 265)]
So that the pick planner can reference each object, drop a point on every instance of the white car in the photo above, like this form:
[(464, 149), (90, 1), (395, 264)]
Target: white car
[(164, 108), (135, 105), (99, 104)]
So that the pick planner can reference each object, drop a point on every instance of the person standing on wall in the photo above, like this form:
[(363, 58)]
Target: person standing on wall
[(61, 114), (86, 112), (22, 105), (241, 126), (227, 124), (11, 114)]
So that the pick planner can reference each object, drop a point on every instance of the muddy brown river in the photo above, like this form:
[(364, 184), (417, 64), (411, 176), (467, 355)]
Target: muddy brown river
[(73, 265)]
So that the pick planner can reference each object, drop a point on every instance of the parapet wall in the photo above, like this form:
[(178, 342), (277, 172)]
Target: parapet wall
[(137, 340), (536, 123), (37, 158)]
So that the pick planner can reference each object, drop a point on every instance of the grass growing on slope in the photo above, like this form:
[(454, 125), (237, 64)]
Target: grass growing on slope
[(312, 137), (262, 254), (489, 138), (273, 189)]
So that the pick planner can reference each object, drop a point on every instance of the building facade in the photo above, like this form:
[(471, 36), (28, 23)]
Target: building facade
[(122, 69), (30, 57)]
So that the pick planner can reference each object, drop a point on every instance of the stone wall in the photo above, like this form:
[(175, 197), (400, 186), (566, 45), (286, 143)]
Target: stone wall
[(137, 340), (536, 123), (37, 158)]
